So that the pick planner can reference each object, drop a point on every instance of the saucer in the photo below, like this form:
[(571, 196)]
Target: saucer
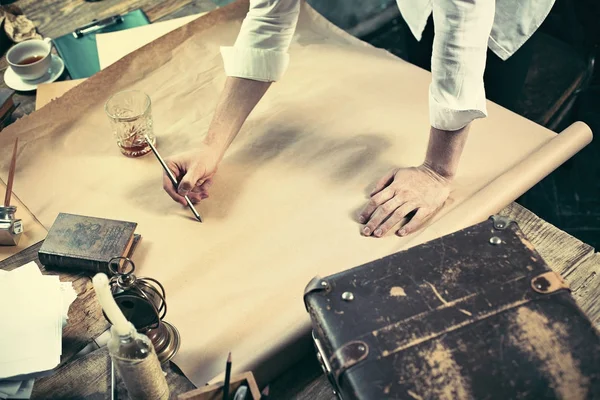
[(14, 81)]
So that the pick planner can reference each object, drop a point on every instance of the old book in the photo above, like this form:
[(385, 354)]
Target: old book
[(7, 106), (86, 243)]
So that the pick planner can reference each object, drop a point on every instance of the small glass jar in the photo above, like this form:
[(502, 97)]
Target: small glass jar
[(135, 360)]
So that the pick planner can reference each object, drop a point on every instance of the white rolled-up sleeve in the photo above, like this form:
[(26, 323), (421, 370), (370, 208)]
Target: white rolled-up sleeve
[(461, 33), (260, 51)]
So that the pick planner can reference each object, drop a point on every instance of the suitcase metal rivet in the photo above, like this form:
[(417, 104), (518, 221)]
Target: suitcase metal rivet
[(347, 296), (495, 240)]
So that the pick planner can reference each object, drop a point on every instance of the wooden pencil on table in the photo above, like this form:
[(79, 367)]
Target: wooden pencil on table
[(227, 378), (11, 175)]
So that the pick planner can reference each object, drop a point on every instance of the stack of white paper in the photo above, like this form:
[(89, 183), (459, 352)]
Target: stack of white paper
[(33, 311)]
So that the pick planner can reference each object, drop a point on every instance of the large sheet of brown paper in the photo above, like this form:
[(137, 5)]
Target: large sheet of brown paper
[(283, 206), (46, 92)]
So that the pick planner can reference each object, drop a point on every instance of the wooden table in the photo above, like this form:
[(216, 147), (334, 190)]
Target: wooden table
[(88, 375)]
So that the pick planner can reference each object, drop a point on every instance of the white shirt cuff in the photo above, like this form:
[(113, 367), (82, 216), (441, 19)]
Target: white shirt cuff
[(446, 118), (256, 64)]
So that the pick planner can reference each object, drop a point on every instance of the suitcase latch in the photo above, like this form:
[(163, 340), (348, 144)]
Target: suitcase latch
[(326, 367), (548, 282), (347, 356)]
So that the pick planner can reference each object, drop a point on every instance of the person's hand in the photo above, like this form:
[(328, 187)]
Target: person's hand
[(194, 171), (419, 191)]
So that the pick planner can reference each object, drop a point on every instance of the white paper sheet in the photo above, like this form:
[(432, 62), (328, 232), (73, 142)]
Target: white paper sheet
[(31, 334), (112, 46)]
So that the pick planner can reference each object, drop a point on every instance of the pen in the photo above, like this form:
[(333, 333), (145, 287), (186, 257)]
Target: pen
[(172, 177), (97, 25)]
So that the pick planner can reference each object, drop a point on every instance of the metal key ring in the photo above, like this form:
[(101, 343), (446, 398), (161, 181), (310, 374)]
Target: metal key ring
[(127, 261)]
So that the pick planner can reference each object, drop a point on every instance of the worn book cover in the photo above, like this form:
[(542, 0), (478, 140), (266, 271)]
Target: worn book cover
[(86, 243)]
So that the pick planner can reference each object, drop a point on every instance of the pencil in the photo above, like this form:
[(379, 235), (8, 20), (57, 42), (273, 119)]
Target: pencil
[(11, 175), (227, 378), (172, 177)]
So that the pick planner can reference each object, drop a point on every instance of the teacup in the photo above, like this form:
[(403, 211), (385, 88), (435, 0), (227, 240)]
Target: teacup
[(30, 59)]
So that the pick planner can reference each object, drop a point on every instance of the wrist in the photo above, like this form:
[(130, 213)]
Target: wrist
[(444, 151), (446, 172), (215, 145)]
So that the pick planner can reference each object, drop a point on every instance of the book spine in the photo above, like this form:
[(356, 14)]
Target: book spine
[(65, 262)]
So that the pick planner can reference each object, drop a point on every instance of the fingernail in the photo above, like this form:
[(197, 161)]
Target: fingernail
[(183, 192), (402, 232), (361, 219), (378, 232), (366, 231)]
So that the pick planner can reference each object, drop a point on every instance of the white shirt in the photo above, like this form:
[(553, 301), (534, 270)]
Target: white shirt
[(464, 29)]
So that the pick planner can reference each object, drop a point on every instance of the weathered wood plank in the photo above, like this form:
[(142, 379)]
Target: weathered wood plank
[(167, 9), (560, 250), (54, 18), (89, 377), (319, 389), (585, 283), (192, 7), (304, 381)]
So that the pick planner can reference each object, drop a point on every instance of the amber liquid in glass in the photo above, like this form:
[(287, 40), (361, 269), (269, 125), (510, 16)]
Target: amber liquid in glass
[(134, 144)]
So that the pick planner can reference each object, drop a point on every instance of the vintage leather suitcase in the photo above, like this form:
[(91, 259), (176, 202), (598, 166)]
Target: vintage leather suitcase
[(473, 315)]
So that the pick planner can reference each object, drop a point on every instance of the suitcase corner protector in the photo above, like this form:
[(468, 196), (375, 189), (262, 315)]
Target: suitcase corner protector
[(316, 284)]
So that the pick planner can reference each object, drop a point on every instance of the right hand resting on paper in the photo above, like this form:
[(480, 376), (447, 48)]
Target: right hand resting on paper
[(194, 171)]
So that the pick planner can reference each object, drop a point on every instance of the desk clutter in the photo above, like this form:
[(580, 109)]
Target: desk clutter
[(31, 334)]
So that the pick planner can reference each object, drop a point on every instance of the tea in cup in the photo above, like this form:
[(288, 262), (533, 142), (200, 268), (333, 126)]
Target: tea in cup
[(30, 59)]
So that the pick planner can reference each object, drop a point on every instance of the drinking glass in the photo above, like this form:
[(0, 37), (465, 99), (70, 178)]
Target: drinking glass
[(130, 114)]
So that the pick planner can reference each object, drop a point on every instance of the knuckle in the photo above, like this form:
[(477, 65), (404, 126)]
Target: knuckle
[(373, 202), (387, 208), (404, 193), (400, 212)]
